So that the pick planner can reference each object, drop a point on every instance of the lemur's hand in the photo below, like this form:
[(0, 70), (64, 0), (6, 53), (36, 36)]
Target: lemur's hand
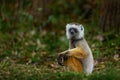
[(62, 57)]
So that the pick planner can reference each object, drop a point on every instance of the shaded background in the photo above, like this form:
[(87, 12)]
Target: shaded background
[(32, 32), (49, 13)]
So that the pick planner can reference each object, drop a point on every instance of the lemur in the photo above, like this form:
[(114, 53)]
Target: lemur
[(78, 57)]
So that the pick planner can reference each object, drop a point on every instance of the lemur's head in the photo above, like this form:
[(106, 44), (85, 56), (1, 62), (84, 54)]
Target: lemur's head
[(74, 31)]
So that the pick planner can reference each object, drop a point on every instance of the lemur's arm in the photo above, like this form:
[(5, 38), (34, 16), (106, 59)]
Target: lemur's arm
[(77, 52)]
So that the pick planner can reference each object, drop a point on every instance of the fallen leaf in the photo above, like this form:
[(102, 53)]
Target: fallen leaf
[(116, 57), (99, 37)]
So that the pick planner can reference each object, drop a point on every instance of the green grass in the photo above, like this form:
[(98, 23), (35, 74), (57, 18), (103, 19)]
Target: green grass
[(10, 71), (29, 56)]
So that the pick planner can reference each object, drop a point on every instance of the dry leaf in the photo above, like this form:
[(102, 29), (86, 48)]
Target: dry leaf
[(116, 57), (99, 37)]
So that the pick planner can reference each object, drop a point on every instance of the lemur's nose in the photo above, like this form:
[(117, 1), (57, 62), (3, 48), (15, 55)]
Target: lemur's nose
[(72, 31)]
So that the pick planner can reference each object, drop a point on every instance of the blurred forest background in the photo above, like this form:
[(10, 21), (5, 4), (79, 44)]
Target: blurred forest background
[(32, 32)]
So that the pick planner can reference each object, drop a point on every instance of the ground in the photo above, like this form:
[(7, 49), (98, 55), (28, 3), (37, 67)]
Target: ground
[(30, 53)]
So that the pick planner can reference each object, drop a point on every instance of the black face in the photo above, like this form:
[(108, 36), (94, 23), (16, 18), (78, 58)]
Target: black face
[(73, 31)]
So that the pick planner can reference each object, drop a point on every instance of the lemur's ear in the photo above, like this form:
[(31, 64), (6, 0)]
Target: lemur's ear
[(81, 27), (67, 25)]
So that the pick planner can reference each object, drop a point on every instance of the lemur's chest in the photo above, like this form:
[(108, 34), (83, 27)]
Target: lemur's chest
[(73, 44), (76, 43)]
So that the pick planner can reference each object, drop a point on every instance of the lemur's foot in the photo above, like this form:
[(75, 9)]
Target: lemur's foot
[(62, 57)]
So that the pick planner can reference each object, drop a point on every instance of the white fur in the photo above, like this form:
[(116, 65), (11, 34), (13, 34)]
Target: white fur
[(88, 62), (78, 27)]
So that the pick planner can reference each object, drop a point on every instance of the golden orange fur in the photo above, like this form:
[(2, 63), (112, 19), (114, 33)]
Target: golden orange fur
[(73, 62)]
